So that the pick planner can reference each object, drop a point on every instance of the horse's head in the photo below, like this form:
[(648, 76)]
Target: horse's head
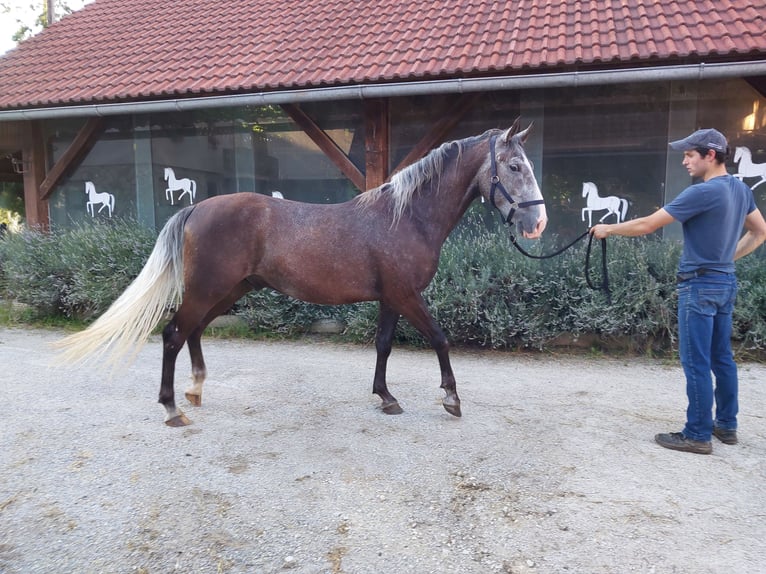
[(588, 187), (168, 171), (738, 152), (508, 182)]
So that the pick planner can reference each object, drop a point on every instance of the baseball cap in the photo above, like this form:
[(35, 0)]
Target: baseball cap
[(707, 138)]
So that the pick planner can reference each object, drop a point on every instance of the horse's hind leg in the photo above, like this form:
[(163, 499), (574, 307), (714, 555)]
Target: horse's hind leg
[(172, 341), (387, 320), (193, 394), (415, 311)]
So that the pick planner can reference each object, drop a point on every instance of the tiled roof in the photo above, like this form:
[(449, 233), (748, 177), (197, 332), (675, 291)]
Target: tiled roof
[(128, 50)]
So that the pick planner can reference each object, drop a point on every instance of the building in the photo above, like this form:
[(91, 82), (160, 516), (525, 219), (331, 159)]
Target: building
[(132, 108)]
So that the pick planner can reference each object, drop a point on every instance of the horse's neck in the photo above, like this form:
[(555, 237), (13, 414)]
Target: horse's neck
[(440, 202)]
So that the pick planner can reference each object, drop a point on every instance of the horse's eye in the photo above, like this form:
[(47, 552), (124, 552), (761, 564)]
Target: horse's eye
[(515, 167)]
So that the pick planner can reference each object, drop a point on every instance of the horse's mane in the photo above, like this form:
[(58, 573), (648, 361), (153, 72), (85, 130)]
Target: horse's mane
[(403, 184)]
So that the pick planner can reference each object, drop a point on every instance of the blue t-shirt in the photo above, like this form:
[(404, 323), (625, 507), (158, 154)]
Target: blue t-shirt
[(712, 214)]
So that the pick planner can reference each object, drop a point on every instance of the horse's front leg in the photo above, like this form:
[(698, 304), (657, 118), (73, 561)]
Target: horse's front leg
[(169, 196), (172, 341), (414, 309), (387, 320)]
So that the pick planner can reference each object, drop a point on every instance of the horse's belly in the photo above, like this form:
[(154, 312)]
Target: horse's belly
[(335, 293)]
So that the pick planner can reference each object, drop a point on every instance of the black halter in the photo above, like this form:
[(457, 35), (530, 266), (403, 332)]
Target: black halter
[(497, 185)]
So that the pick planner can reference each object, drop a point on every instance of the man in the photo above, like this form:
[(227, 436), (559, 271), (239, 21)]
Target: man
[(713, 213)]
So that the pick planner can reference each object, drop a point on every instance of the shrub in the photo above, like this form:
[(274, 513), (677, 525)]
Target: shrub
[(488, 293), (32, 272), (485, 292), (77, 272)]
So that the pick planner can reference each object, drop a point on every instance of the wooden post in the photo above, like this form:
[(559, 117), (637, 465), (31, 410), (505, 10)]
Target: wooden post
[(33, 160), (377, 142)]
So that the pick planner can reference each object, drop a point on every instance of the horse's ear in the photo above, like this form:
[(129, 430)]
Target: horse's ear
[(524, 134), (512, 131)]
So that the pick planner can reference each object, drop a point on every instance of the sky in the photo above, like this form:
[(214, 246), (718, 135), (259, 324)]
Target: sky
[(26, 11)]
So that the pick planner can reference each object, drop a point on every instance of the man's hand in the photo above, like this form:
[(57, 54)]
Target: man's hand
[(600, 231)]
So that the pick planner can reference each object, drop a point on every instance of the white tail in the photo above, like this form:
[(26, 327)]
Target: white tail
[(126, 325)]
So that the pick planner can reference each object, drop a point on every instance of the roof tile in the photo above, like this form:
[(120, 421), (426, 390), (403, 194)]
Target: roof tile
[(115, 50)]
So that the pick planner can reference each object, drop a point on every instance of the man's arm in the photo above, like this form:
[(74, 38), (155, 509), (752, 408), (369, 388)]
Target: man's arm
[(635, 227), (755, 234)]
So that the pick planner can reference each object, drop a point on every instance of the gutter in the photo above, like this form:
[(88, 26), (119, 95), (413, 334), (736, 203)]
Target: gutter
[(700, 71)]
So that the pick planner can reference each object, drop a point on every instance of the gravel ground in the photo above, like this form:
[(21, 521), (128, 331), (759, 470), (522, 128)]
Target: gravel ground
[(289, 466)]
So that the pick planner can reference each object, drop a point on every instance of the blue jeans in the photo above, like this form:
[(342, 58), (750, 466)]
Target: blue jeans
[(705, 306)]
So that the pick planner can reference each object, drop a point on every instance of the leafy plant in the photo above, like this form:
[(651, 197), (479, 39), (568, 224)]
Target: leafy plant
[(484, 293)]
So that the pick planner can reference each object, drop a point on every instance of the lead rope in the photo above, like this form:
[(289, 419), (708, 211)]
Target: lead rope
[(604, 275), (497, 185)]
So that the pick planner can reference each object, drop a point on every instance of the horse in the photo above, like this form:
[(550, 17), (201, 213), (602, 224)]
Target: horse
[(185, 185), (614, 205), (105, 199), (747, 168), (383, 245)]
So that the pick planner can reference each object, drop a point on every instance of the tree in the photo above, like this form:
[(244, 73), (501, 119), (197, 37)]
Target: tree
[(31, 18)]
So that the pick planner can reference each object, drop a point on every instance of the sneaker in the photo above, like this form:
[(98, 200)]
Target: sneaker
[(726, 436), (677, 441)]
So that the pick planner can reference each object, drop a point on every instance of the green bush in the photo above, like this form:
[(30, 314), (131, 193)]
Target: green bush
[(268, 312), (485, 292), (32, 272), (77, 272)]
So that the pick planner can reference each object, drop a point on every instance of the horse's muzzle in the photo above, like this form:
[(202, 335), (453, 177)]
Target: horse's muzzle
[(533, 221), (538, 230)]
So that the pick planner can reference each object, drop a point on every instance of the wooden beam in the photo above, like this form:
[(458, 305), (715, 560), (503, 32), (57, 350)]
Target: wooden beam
[(33, 160), (438, 132), (74, 154), (377, 142), (326, 144)]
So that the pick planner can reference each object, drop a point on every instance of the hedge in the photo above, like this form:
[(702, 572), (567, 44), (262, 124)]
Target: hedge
[(485, 292)]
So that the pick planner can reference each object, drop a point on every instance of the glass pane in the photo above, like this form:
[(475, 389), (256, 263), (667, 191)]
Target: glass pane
[(604, 154), (738, 110), (103, 185), (288, 161)]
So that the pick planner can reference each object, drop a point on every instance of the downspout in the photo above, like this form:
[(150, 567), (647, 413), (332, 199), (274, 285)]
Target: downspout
[(459, 85)]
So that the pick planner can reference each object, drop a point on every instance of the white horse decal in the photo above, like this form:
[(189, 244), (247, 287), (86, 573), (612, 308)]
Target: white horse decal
[(614, 205), (105, 199), (185, 185), (747, 168)]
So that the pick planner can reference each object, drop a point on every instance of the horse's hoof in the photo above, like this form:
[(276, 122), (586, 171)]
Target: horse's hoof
[(179, 420), (392, 408), (452, 408), (195, 400)]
